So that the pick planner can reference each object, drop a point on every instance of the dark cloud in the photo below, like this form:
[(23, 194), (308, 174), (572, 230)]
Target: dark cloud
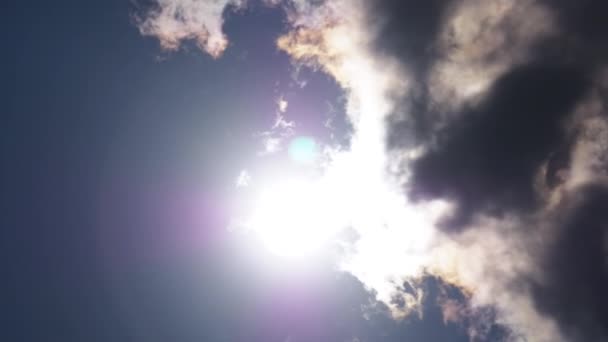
[(492, 152), (486, 156), (408, 29), (583, 20), (575, 279), (489, 159), (580, 34)]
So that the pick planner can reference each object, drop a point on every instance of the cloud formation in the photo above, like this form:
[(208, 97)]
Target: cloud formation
[(480, 164), (572, 287), (175, 21), (481, 129), (512, 155)]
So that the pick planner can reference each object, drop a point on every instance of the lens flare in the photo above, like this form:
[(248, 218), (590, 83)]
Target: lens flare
[(303, 150)]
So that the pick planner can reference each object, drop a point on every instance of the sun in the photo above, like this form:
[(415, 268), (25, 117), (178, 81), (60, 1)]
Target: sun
[(294, 218)]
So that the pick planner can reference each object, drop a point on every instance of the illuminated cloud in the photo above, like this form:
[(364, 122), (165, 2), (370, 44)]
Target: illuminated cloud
[(282, 105), (175, 21), (479, 42), (243, 179), (282, 129)]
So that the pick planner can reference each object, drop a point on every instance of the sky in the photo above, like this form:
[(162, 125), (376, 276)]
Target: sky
[(305, 170)]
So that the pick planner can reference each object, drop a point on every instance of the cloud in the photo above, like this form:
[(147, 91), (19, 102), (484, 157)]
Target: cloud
[(492, 261), (479, 42), (487, 162), (572, 286), (282, 104), (509, 111), (467, 45), (243, 179), (175, 21)]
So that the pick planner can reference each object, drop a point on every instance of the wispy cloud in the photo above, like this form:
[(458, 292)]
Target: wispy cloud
[(175, 21)]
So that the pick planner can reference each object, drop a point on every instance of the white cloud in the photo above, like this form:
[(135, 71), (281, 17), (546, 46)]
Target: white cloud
[(243, 179), (174, 21)]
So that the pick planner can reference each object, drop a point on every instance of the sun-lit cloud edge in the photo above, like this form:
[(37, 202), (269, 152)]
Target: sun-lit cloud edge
[(176, 21)]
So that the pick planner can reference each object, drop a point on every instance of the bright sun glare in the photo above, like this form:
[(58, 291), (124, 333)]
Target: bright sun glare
[(293, 218)]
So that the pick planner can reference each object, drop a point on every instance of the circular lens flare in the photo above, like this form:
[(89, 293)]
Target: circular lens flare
[(303, 150)]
